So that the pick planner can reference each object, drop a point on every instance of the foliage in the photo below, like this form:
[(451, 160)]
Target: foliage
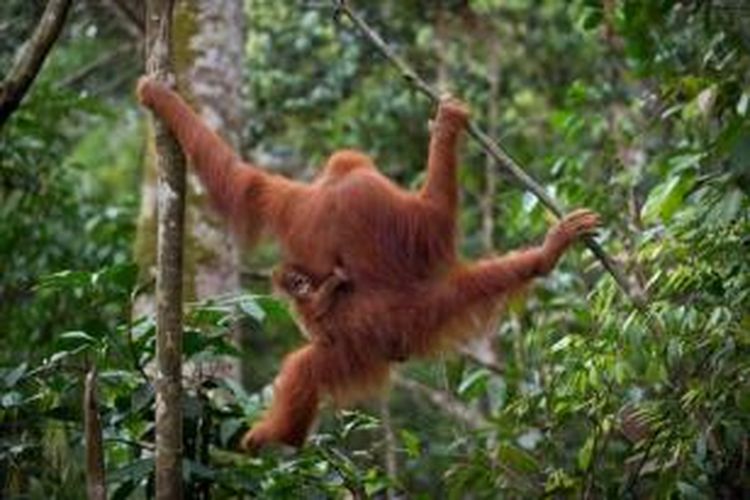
[(44, 402), (637, 109)]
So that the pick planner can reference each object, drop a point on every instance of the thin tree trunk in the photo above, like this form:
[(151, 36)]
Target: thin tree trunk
[(389, 445), (31, 57), (208, 41), (96, 487), (170, 236)]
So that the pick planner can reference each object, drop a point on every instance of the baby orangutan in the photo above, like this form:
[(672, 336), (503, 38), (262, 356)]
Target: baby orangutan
[(313, 299), (371, 268)]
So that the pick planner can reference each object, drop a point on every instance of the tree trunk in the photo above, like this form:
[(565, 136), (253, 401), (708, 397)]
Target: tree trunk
[(170, 236), (208, 43), (96, 486), (389, 446)]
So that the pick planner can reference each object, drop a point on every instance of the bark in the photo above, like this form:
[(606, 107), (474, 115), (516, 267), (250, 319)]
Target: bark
[(31, 57), (209, 72), (208, 43), (389, 446), (96, 488), (170, 236), (210, 75)]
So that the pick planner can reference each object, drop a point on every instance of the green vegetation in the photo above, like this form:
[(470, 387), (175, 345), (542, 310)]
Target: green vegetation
[(637, 109)]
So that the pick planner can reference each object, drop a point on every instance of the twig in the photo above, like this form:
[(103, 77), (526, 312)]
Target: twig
[(502, 157), (104, 60), (636, 474), (389, 446), (493, 366), (96, 487), (132, 17), (446, 402), (129, 326), (334, 457), (31, 57)]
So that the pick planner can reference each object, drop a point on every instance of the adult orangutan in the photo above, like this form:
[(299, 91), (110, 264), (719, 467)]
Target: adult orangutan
[(372, 269)]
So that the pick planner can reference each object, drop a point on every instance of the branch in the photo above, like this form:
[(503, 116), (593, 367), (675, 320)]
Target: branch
[(493, 149), (31, 57), (445, 401), (92, 66), (96, 487), (389, 446), (131, 17), (171, 234), (493, 366)]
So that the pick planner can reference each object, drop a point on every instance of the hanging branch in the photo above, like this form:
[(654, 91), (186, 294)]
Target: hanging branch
[(171, 218), (31, 57), (492, 148), (96, 486)]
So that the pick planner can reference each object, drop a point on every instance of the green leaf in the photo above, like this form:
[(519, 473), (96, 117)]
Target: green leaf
[(136, 470), (122, 275), (274, 309), (192, 470), (356, 420), (592, 18), (680, 163), (729, 207), (193, 342), (251, 307), (665, 198), (621, 370), (558, 481), (13, 376), (742, 104), (585, 453), (411, 443), (375, 482), (11, 399), (64, 280), (475, 383), (517, 458), (228, 428), (562, 344), (76, 339)]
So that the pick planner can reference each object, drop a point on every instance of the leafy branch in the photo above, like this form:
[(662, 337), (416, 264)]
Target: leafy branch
[(31, 57)]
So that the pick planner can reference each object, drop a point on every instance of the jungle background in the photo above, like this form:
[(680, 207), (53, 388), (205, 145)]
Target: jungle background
[(637, 109)]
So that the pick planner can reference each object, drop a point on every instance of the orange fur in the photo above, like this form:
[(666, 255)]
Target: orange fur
[(407, 294)]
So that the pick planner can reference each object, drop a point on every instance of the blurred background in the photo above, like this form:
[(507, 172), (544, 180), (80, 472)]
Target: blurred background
[(637, 109)]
